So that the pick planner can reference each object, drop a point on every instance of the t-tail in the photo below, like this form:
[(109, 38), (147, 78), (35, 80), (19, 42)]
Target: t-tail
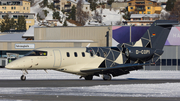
[(149, 46)]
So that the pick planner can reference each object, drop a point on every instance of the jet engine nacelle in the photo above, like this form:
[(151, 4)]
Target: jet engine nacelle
[(139, 53)]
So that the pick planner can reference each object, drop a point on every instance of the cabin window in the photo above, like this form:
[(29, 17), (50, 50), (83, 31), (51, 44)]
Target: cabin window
[(83, 54), (98, 54), (68, 55), (36, 53), (91, 53), (75, 54)]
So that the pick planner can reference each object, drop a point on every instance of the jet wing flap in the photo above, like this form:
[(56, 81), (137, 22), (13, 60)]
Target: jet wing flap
[(120, 66)]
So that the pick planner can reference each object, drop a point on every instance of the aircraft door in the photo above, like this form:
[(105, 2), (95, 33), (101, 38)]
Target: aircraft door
[(57, 58)]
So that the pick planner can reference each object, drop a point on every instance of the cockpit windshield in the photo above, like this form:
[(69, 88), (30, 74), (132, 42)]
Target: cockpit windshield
[(37, 53)]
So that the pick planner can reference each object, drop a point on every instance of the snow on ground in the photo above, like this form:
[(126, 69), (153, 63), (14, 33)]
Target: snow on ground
[(110, 17), (129, 90), (121, 90)]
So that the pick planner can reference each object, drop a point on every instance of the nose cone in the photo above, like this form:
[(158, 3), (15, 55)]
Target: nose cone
[(10, 66)]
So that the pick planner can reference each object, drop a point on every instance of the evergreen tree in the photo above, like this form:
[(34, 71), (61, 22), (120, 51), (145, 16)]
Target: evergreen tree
[(93, 4), (51, 6), (45, 2), (56, 15), (109, 2), (127, 15), (3, 25), (170, 5), (65, 23), (12, 23), (7, 23), (45, 12), (73, 13), (21, 24)]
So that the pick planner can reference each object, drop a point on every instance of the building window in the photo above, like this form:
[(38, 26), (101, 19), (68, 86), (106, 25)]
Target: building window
[(178, 62), (129, 4), (75, 54), (174, 62), (27, 8), (149, 7), (83, 54), (98, 54), (24, 8), (14, 7), (168, 62), (148, 12), (163, 62), (3, 7), (15, 16), (68, 55), (86, 8), (131, 7), (11, 7), (150, 2)]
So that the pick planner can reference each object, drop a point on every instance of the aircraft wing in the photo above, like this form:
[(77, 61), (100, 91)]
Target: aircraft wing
[(120, 66)]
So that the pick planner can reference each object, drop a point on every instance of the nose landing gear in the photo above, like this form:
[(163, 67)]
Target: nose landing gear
[(23, 77)]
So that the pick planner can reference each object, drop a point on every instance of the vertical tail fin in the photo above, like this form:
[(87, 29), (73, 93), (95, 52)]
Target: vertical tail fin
[(157, 34)]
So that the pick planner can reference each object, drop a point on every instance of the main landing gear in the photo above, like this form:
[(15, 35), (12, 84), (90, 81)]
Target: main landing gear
[(107, 77), (89, 77)]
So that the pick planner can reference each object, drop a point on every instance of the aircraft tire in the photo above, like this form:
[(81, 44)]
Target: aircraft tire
[(23, 78), (89, 77), (107, 77)]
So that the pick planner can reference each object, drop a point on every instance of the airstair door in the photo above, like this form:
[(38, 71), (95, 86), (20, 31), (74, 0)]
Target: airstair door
[(57, 58)]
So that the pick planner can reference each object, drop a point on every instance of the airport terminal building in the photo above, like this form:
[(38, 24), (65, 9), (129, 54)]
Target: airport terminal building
[(16, 45)]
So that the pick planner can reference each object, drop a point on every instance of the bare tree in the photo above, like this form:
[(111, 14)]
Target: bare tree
[(164, 16), (82, 16), (97, 16), (175, 13)]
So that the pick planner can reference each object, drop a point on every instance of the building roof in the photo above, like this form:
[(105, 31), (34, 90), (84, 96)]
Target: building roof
[(76, 1), (12, 36), (144, 15), (18, 13)]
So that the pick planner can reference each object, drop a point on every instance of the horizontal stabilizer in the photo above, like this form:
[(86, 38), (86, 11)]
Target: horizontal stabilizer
[(120, 66)]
